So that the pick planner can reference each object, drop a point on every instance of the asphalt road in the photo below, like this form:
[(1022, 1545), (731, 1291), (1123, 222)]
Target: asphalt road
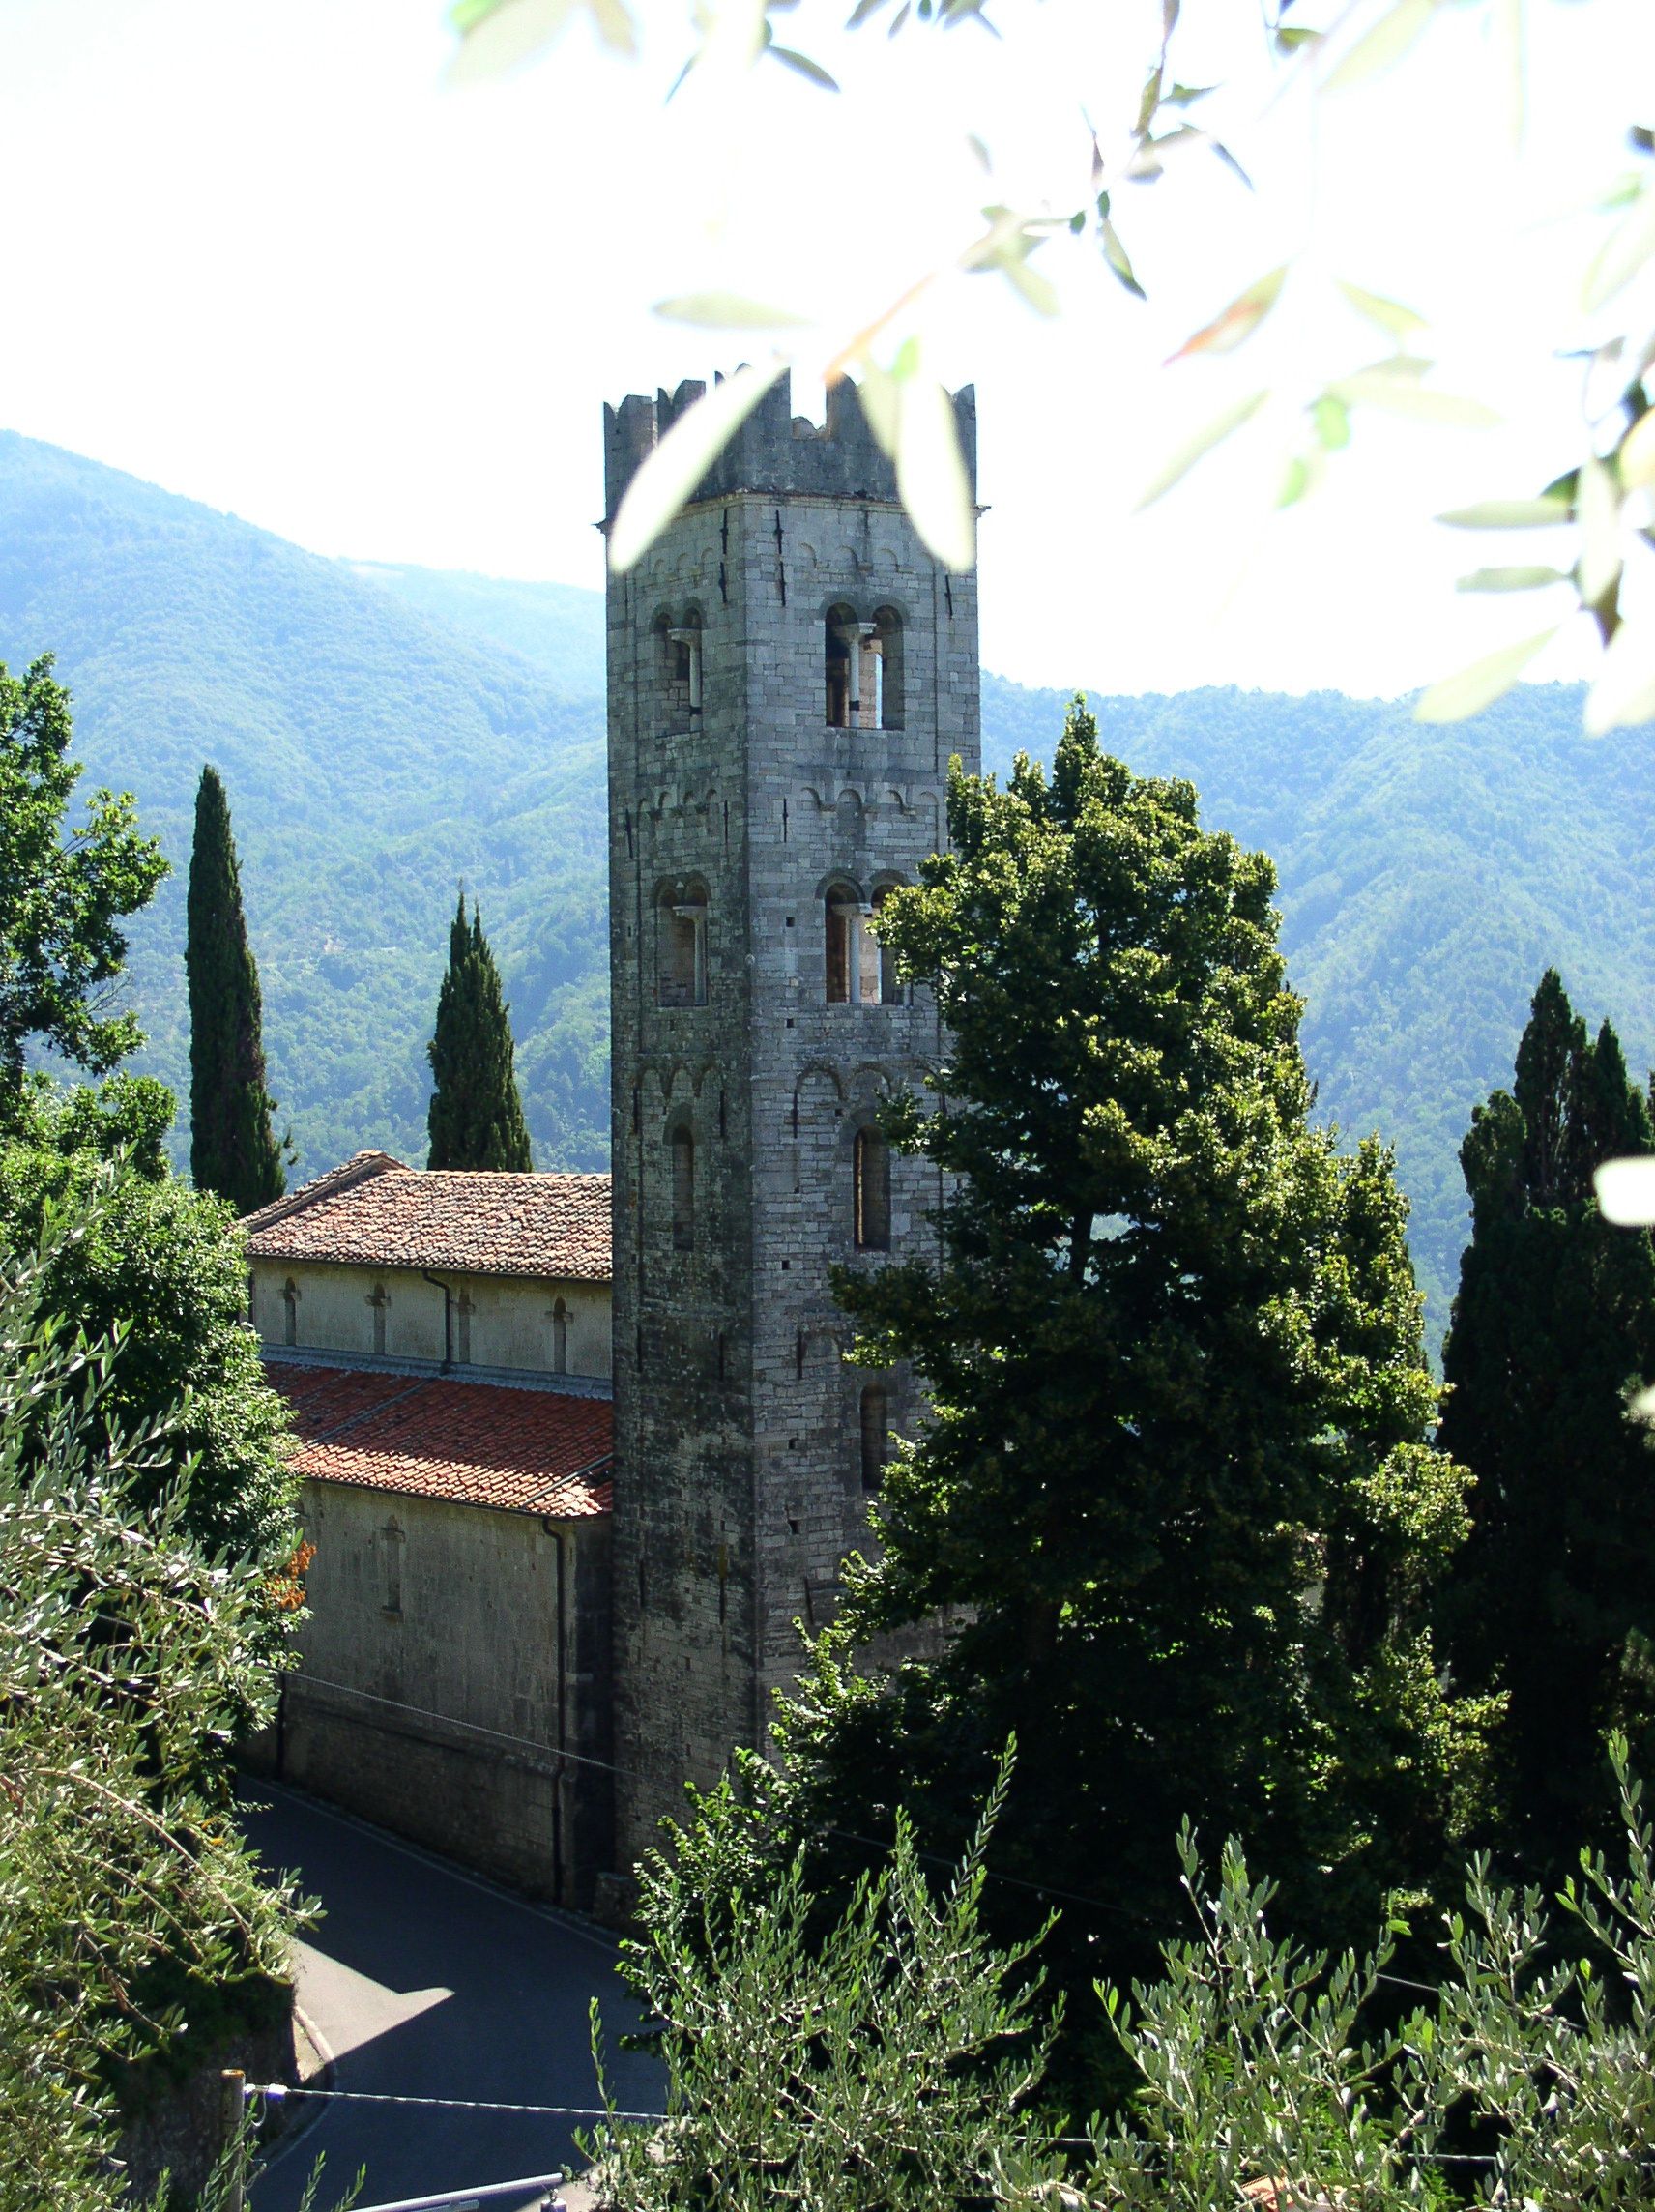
[(426, 1981)]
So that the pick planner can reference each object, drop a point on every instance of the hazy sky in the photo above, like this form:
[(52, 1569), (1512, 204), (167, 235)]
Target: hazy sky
[(262, 255)]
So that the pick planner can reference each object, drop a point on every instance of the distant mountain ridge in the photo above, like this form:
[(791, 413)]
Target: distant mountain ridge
[(384, 731)]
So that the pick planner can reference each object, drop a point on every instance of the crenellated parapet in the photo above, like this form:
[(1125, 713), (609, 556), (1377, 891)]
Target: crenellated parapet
[(774, 452)]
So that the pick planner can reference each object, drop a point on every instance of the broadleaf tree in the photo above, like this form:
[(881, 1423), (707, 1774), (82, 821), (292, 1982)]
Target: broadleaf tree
[(64, 891), (1175, 1501), (233, 1148), (161, 1266), (1553, 1598), (476, 1111)]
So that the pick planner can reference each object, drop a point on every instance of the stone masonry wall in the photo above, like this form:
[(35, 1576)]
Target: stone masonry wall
[(509, 1325), (442, 1609), (739, 1477)]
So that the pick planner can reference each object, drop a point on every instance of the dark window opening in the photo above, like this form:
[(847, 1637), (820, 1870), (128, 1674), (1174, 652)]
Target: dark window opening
[(681, 947), (684, 669), (871, 1176), (888, 990), (682, 1189), (838, 629), (842, 920), (886, 652), (875, 1434)]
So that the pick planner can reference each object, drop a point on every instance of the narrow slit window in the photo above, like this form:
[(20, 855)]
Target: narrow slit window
[(684, 670), (844, 945), (681, 947), (871, 1176), (876, 1434), (887, 659), (841, 632), (290, 1300), (682, 1189), (870, 678), (560, 1338), (888, 990)]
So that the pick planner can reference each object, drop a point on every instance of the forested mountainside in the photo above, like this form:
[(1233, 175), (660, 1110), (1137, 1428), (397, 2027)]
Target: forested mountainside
[(386, 731), (374, 758)]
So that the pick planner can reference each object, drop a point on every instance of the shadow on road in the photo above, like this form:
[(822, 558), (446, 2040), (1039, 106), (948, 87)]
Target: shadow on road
[(428, 1982)]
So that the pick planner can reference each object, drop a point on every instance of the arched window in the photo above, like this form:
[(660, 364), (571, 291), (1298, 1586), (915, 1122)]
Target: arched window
[(842, 640), (290, 1300), (882, 981), (876, 1434), (842, 921), (886, 653), (680, 946), (684, 670), (682, 1188), (559, 1337), (871, 1178)]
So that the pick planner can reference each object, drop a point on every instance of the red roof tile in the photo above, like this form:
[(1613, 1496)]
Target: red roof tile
[(479, 1444), (375, 1212)]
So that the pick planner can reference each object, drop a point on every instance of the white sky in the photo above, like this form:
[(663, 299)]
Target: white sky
[(259, 255)]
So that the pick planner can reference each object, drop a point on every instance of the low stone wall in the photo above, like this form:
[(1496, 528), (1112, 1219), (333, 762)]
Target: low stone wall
[(182, 2131)]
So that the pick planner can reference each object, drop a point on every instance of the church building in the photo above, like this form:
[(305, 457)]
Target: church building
[(790, 672)]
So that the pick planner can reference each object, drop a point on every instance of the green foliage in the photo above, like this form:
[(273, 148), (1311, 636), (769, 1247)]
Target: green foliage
[(1539, 2051), (233, 1150), (128, 1661), (1427, 877), (1247, 2069), (159, 1266), (1175, 1497), (477, 1115), (882, 2063), (1553, 1597), (61, 897)]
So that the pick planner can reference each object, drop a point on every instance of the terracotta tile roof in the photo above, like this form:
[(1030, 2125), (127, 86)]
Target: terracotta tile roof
[(375, 1212), (479, 1444)]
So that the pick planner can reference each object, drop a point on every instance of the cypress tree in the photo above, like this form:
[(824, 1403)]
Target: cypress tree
[(1553, 1598), (477, 1115), (233, 1150)]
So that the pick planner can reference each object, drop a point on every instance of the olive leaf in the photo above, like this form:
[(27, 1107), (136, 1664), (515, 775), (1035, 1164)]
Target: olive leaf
[(1398, 29), (931, 477), (1238, 321), (726, 312), (1454, 698), (1178, 464), (1509, 514), (1624, 693), (500, 36), (670, 474), (1515, 579), (1399, 322)]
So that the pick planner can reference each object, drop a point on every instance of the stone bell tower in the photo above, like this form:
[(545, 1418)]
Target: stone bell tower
[(789, 672)]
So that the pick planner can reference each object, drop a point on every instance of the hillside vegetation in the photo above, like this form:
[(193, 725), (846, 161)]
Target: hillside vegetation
[(386, 733)]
